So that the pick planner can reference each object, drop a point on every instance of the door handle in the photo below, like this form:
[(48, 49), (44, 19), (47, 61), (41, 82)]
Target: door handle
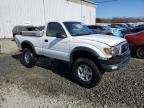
[(46, 40)]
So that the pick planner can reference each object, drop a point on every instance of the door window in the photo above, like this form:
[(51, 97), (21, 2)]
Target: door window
[(54, 28)]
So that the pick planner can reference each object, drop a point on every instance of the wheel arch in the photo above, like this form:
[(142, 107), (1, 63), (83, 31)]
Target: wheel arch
[(28, 44), (83, 52)]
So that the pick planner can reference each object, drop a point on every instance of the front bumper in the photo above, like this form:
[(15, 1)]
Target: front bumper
[(115, 63)]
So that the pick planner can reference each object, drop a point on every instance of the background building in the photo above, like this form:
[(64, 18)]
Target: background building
[(37, 12)]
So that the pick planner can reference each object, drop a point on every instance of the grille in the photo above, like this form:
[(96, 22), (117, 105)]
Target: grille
[(124, 48)]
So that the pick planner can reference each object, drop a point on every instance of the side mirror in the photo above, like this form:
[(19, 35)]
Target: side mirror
[(60, 35)]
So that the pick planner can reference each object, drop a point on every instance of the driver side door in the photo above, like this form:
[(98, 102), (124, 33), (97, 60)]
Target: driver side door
[(54, 46)]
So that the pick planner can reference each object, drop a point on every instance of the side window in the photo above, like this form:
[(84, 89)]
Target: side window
[(54, 28)]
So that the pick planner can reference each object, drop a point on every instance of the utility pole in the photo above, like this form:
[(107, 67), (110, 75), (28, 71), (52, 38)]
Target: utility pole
[(82, 10), (0, 49), (44, 11)]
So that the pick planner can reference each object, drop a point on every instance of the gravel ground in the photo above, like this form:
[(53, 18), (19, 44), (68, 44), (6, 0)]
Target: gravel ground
[(7, 46), (51, 86)]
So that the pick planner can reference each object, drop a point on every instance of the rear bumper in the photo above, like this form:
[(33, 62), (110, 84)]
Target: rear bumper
[(115, 63)]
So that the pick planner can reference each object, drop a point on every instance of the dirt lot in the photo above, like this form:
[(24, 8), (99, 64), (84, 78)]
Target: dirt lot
[(50, 85), (7, 46)]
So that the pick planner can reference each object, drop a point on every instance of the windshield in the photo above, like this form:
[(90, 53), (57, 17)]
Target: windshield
[(77, 29)]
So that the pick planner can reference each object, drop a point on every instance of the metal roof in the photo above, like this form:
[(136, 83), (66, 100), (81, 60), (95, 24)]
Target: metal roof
[(86, 1), (90, 2)]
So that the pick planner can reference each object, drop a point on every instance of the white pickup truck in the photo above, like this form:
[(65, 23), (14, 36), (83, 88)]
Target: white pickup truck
[(90, 55)]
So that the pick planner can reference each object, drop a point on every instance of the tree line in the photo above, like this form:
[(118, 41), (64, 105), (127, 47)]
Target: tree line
[(119, 20)]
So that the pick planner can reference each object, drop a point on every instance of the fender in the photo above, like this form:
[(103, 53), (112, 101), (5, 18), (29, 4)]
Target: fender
[(30, 44), (94, 53)]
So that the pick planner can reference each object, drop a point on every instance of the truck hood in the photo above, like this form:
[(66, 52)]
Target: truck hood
[(106, 39)]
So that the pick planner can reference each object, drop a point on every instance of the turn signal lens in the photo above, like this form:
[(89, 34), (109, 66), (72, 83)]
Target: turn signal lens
[(107, 51)]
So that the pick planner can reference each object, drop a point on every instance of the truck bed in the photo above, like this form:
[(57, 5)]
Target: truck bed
[(32, 33)]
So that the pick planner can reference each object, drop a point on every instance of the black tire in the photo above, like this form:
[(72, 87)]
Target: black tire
[(32, 58), (140, 52), (14, 37), (96, 74)]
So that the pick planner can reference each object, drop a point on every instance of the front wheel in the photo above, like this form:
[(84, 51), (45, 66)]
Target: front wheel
[(86, 72), (28, 58), (140, 52)]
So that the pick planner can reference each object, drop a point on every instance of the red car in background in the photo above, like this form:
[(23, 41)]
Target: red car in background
[(136, 43)]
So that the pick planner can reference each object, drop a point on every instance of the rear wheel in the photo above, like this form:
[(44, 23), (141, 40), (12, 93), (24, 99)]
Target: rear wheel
[(28, 58), (14, 37), (140, 52), (86, 72)]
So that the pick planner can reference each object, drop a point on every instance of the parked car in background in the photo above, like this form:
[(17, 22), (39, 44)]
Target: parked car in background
[(97, 29), (135, 30), (138, 28), (141, 26), (117, 30), (19, 28), (136, 43), (123, 25), (129, 26)]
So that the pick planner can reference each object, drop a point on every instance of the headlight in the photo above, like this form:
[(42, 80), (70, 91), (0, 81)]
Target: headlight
[(107, 51), (112, 51), (115, 50)]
